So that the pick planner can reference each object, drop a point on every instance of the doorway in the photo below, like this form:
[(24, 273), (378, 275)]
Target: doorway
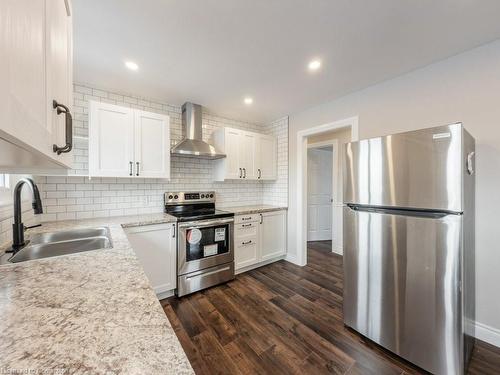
[(320, 202)]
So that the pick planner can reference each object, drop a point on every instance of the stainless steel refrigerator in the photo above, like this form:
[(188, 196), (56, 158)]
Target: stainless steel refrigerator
[(409, 245)]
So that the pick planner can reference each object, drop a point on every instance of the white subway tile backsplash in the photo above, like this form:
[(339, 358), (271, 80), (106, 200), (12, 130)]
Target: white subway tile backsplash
[(78, 197)]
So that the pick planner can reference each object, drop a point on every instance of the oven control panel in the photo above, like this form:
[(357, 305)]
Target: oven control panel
[(189, 197)]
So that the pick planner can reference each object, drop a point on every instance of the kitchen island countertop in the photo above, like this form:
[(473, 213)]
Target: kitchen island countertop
[(90, 312), (253, 209)]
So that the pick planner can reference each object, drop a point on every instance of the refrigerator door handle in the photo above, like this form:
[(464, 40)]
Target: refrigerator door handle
[(470, 162), (432, 214)]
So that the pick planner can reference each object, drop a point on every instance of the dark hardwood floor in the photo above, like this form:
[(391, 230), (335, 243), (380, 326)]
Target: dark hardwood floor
[(285, 319)]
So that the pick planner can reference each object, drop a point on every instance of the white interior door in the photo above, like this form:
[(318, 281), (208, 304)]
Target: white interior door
[(111, 140), (319, 194), (152, 145)]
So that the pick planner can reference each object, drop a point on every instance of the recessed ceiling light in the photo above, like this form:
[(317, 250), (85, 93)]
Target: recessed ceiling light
[(131, 65), (314, 65), (248, 100)]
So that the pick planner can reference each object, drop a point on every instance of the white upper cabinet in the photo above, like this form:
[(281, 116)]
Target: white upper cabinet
[(246, 153), (232, 163), (266, 157), (125, 142), (60, 74), (35, 69), (248, 142), (111, 140), (152, 144)]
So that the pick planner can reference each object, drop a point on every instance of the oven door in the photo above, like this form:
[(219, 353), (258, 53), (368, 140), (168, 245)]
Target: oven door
[(204, 243)]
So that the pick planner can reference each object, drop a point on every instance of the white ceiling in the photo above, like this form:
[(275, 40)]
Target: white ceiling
[(216, 52)]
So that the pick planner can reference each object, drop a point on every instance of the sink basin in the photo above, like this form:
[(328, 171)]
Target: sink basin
[(69, 235), (46, 245)]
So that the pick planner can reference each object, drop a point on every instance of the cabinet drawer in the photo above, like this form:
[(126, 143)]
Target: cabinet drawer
[(246, 252), (245, 241), (246, 229), (239, 219), (208, 277)]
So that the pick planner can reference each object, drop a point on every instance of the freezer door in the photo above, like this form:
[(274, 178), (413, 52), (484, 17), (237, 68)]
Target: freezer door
[(402, 285), (420, 169)]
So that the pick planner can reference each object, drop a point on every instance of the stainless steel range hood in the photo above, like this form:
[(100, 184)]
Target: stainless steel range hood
[(192, 143)]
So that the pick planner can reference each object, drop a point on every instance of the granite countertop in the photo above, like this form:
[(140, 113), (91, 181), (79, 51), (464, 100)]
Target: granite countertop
[(253, 209), (90, 312)]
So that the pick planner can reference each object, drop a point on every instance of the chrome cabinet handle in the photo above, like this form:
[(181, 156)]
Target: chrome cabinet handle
[(131, 166), (470, 163), (137, 170), (246, 225), (247, 242), (245, 173), (260, 173), (241, 171), (261, 219), (61, 108), (173, 230)]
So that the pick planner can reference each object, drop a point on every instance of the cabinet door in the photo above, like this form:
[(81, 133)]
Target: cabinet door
[(232, 146), (111, 140), (247, 155), (59, 71), (152, 145), (23, 103), (155, 247), (267, 158), (273, 235)]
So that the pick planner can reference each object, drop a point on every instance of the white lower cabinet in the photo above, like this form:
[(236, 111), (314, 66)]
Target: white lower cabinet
[(259, 238), (272, 235), (155, 247), (246, 244)]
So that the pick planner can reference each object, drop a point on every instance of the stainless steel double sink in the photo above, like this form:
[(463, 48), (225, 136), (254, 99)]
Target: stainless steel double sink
[(45, 245)]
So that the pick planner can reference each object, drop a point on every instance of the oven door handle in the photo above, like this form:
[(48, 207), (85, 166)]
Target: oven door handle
[(209, 273), (204, 223)]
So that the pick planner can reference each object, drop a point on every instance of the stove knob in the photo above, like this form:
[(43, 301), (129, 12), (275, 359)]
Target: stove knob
[(203, 195), (170, 196), (176, 196), (211, 195)]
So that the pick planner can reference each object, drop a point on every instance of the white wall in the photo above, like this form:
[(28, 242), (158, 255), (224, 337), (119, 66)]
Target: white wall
[(464, 88)]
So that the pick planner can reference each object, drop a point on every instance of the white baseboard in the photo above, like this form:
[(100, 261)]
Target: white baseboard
[(163, 295), (338, 251), (488, 334), (257, 265)]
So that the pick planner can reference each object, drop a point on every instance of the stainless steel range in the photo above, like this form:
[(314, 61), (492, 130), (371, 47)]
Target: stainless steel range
[(205, 245)]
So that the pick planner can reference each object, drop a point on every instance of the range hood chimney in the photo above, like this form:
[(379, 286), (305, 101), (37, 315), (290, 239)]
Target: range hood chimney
[(192, 143)]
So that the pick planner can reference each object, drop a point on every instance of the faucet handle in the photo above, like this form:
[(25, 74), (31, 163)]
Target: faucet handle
[(32, 226)]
